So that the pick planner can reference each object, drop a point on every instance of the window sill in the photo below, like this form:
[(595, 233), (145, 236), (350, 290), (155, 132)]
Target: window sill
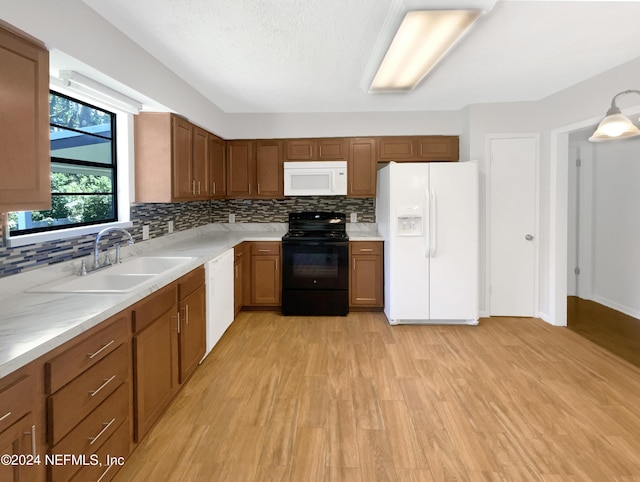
[(62, 234)]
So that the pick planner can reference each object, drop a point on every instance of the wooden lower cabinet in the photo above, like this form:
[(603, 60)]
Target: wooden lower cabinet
[(192, 321), (266, 273), (366, 277), (238, 278), (22, 425), (155, 356), (87, 381)]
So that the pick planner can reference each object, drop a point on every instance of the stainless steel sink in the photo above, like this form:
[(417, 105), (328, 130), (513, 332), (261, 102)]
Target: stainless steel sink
[(120, 278)]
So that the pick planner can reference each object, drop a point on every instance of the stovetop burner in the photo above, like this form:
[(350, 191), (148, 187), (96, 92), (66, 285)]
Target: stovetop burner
[(317, 225)]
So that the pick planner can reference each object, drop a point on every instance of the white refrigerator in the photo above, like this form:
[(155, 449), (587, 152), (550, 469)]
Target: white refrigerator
[(428, 216)]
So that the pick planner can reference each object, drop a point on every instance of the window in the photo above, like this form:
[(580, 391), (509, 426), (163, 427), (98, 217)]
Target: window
[(83, 169)]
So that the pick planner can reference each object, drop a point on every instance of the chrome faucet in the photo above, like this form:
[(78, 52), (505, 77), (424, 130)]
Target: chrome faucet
[(96, 260)]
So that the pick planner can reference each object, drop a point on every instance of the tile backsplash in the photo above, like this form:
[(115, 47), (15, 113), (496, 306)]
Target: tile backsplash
[(184, 216)]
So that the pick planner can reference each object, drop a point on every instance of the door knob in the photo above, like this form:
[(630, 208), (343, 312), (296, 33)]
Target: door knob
[(528, 237)]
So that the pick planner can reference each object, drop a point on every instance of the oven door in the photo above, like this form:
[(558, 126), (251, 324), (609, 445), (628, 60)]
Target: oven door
[(315, 265)]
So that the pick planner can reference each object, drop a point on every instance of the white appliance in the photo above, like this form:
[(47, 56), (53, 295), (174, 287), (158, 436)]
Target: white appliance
[(428, 216), (315, 178), (219, 279)]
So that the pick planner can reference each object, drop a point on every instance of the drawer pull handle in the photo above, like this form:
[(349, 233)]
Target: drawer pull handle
[(104, 429), (104, 347), (264, 250), (32, 433), (8, 414), (106, 382), (366, 250)]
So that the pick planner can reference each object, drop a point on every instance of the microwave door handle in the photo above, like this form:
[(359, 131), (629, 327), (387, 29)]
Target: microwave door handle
[(332, 188)]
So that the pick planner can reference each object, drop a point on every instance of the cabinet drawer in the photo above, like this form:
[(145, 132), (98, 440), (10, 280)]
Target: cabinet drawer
[(116, 446), (265, 248), (77, 399), (15, 401), (65, 367), (154, 306), (90, 434), (366, 247), (190, 282)]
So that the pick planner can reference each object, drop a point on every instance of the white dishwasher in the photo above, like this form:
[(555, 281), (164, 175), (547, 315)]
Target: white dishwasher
[(219, 276)]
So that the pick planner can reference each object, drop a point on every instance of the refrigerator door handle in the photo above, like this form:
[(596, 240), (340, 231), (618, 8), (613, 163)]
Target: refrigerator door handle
[(427, 235), (433, 223)]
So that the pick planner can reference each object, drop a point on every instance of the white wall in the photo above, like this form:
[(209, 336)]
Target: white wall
[(616, 227)]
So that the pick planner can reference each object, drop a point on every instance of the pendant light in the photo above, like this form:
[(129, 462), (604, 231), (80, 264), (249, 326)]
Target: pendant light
[(615, 125)]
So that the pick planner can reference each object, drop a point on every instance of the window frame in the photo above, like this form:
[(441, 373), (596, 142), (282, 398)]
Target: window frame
[(76, 163)]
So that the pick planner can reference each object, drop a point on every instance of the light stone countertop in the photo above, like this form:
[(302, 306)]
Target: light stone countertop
[(32, 324)]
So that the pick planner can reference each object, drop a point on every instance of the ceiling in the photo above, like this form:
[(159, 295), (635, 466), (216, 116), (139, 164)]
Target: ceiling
[(256, 56)]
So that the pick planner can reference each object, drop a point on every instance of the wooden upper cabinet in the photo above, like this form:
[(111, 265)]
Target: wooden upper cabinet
[(395, 148), (423, 148), (200, 163), (172, 160), (240, 170), (25, 183), (182, 147), (438, 148), (217, 169), (269, 169), (254, 169), (328, 149), (362, 168), (300, 149)]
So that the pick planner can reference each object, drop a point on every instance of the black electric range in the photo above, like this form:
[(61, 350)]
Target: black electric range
[(315, 267)]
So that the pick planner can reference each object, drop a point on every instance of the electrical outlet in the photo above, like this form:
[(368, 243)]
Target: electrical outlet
[(170, 227), (145, 232), (232, 218), (354, 217)]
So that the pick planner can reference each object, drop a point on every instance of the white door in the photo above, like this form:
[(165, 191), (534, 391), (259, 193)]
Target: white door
[(454, 241), (512, 235)]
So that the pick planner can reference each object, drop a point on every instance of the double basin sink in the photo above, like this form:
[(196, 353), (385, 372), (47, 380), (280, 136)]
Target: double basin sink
[(119, 278)]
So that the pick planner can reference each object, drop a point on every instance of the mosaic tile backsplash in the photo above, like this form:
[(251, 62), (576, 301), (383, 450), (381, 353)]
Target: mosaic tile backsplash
[(184, 216)]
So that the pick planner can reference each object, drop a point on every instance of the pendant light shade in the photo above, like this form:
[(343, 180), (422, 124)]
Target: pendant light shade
[(615, 125)]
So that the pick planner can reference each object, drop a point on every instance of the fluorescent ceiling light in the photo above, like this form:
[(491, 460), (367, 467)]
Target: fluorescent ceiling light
[(422, 40), (80, 83), (615, 125)]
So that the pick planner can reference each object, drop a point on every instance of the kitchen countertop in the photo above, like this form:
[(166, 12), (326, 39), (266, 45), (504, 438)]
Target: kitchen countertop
[(32, 324)]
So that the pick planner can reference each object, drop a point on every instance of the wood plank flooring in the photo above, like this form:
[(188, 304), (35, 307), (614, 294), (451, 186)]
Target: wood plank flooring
[(303, 399), (606, 327)]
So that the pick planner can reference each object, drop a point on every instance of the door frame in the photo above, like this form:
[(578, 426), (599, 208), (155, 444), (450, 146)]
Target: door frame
[(487, 197)]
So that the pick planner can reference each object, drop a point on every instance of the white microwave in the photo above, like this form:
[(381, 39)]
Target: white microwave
[(315, 178)]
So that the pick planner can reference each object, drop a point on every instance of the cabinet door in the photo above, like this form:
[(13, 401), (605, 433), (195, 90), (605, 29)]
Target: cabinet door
[(301, 149), (182, 148), (238, 280), (155, 357), (18, 439), (24, 125), (199, 164), (240, 169), (269, 169), (265, 274), (362, 168), (366, 281), (438, 148), (217, 181), (265, 280), (192, 331), (333, 149), (396, 148)]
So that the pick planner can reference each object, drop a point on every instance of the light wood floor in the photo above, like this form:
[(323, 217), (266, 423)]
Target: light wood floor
[(354, 399)]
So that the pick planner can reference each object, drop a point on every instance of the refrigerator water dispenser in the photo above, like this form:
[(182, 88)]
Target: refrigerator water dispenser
[(409, 225)]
